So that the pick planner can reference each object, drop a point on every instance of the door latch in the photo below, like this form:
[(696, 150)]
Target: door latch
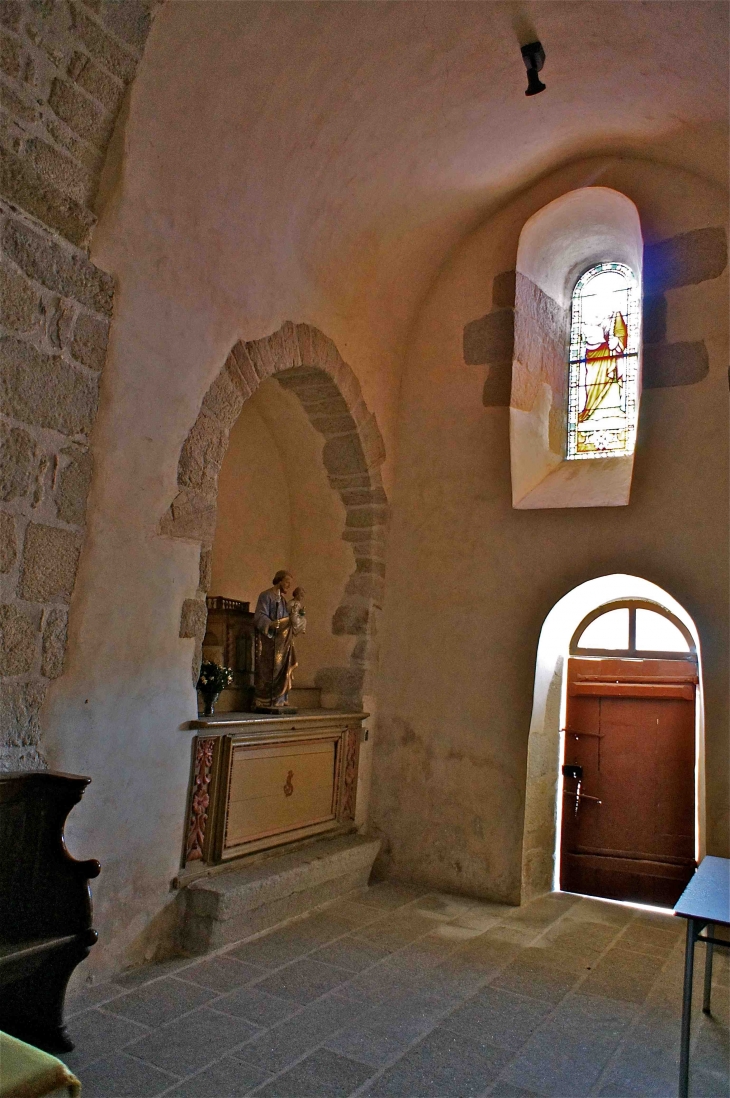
[(576, 772)]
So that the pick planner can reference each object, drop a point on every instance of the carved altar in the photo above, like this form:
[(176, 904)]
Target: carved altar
[(260, 781)]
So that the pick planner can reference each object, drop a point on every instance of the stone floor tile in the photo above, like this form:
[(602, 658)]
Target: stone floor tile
[(320, 928), (122, 1076), (226, 1078), (502, 1089), (566, 1056), (387, 894), (705, 1084), (574, 934), (96, 1033), (712, 1051), (614, 982), (601, 911), (191, 1042), (380, 1043), (142, 974), (160, 1002), (639, 937), (424, 952), (524, 977), (324, 1074), (477, 920), (509, 933), (639, 1071), (544, 910), (278, 1047), (256, 1006), (350, 953), (395, 932), (443, 1065), (440, 906), (498, 1017), (273, 950), (353, 913), (303, 980), (90, 996), (224, 973)]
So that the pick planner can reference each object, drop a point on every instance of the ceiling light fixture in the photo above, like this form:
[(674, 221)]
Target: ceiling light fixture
[(534, 57)]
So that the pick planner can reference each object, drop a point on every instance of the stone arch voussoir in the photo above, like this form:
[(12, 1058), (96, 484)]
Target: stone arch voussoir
[(307, 363)]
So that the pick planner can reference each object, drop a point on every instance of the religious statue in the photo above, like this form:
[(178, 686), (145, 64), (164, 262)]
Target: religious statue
[(275, 657)]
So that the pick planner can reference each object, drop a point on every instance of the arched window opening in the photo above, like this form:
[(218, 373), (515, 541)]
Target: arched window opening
[(604, 357), (634, 630)]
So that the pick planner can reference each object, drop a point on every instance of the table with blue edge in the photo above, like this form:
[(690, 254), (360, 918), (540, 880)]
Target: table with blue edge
[(705, 902)]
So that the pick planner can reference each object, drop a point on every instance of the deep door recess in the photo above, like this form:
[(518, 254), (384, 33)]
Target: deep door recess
[(628, 830)]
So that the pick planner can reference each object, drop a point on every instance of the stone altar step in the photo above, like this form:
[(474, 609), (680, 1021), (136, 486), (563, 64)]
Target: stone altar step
[(240, 902)]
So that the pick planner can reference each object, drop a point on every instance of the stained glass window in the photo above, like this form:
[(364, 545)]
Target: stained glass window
[(604, 363)]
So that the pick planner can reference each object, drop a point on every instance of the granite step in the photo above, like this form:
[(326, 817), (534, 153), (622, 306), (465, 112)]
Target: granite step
[(243, 901)]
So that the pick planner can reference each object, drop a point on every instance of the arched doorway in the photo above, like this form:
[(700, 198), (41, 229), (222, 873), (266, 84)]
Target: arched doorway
[(566, 625), (628, 808)]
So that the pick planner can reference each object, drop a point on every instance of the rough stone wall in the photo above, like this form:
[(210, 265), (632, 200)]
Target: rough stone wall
[(64, 69), (306, 362)]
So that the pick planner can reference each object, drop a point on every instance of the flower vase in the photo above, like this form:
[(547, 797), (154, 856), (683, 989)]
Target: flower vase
[(209, 701)]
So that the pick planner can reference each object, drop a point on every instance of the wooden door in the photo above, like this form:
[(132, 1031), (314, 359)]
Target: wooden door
[(629, 783)]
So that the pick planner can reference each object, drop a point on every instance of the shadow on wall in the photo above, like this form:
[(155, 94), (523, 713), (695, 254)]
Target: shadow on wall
[(541, 833)]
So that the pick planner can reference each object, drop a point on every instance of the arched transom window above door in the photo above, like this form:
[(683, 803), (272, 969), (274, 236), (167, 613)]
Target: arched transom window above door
[(639, 630)]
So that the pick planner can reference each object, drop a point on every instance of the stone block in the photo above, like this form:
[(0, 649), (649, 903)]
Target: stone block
[(74, 482), (343, 455), (89, 341), (102, 46), (20, 704), (192, 515), (10, 56), (668, 364), (193, 618), (357, 497), (260, 356), (205, 574), (50, 560), (21, 185), (19, 301), (10, 13), (19, 109), (242, 902), (18, 462), (289, 354), (248, 379), (369, 586), (224, 400), (366, 565), (490, 339), (44, 390), (8, 542), (60, 170), (203, 451), (18, 637), (372, 443), (329, 426), (351, 619), (94, 80), (684, 260), (339, 680), (366, 516), (503, 290), (130, 20), (55, 633), (654, 319), (66, 272), (498, 386)]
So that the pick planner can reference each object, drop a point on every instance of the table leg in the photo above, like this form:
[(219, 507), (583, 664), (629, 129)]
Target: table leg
[(710, 932), (689, 956)]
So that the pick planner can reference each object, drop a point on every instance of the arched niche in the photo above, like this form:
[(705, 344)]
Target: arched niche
[(545, 743), (306, 364), (557, 244)]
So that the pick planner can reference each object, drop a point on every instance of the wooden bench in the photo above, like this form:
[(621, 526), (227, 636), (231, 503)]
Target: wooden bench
[(45, 905)]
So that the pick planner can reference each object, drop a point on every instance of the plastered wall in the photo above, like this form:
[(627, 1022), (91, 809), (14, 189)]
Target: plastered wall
[(471, 579)]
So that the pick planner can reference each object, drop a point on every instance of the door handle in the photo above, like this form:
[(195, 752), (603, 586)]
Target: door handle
[(579, 795)]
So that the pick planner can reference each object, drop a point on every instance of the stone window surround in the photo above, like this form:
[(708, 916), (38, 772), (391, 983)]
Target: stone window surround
[(305, 361)]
